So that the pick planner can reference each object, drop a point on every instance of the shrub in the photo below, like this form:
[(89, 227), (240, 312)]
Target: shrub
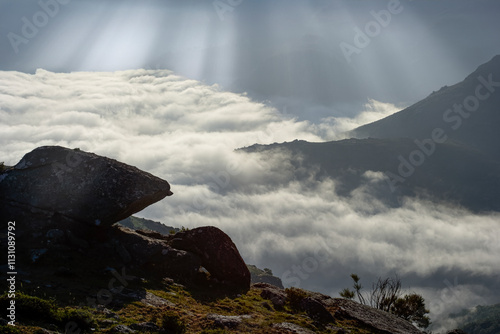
[(412, 308), (385, 293), (294, 297), (350, 294), (7, 329), (46, 311), (82, 318), (386, 296), (37, 308), (171, 322), (347, 294)]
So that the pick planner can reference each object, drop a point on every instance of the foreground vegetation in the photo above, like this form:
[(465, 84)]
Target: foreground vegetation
[(185, 311)]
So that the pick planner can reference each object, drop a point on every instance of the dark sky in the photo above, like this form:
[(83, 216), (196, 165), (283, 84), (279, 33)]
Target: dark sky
[(286, 52)]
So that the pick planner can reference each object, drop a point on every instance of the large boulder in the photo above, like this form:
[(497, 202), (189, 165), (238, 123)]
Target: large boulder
[(218, 254), (153, 254), (81, 186), (316, 310)]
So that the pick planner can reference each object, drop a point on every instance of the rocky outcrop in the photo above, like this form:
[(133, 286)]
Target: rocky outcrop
[(369, 317), (263, 276), (81, 186), (154, 255), (326, 310), (151, 253), (217, 252), (65, 203), (316, 310), (272, 293)]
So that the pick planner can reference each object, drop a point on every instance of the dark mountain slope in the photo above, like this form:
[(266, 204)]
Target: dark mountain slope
[(453, 173), (480, 320), (448, 109)]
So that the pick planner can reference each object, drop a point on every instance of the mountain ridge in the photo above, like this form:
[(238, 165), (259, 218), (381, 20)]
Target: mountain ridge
[(472, 181), (435, 148), (464, 111)]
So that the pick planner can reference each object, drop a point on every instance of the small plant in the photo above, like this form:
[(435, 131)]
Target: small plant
[(294, 297), (347, 294), (7, 329), (37, 308), (47, 311), (385, 293), (172, 323), (350, 294), (81, 317)]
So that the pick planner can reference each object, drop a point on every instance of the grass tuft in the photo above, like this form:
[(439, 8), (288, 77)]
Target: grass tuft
[(172, 323)]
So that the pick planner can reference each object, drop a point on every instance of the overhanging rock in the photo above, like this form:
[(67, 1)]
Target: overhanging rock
[(82, 186)]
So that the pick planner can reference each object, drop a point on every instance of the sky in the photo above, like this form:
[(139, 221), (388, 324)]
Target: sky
[(175, 87), (308, 57)]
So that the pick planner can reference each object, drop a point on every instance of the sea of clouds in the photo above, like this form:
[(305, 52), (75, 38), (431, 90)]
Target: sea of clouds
[(187, 133)]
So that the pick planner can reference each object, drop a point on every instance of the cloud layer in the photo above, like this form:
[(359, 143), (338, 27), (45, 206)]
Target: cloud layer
[(187, 133)]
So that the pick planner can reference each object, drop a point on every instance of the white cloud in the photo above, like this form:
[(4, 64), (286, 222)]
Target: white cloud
[(187, 133), (335, 128)]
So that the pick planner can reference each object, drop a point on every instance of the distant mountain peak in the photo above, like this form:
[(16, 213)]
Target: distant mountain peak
[(467, 113), (490, 67)]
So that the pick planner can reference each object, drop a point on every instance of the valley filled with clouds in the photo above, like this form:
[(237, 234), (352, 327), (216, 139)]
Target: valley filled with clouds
[(188, 133)]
